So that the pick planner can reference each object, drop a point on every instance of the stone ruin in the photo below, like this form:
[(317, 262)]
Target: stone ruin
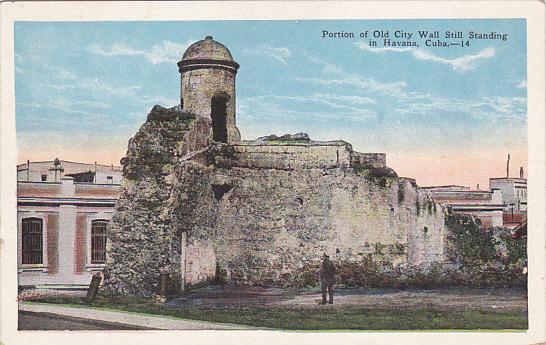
[(205, 206)]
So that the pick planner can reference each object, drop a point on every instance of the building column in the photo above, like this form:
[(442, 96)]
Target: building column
[(67, 237)]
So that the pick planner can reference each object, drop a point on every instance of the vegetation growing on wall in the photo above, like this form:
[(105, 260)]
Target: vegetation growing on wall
[(382, 176), (155, 144)]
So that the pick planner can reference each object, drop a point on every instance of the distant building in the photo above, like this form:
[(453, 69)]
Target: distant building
[(505, 204), (485, 205), (63, 209), (514, 198)]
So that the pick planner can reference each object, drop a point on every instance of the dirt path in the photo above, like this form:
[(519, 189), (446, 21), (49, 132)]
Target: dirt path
[(456, 298), (485, 299)]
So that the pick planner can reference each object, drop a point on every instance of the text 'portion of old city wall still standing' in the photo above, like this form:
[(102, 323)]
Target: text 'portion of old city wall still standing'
[(282, 174)]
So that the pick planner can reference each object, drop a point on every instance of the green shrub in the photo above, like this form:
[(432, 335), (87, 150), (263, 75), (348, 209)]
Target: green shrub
[(487, 257), (469, 245)]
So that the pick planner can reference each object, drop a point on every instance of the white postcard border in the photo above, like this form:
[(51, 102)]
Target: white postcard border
[(532, 11)]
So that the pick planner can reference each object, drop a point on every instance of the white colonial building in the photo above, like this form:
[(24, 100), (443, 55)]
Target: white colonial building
[(63, 209), (514, 198), (504, 204), (486, 205)]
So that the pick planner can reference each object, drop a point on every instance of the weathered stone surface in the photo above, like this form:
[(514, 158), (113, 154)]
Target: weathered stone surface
[(271, 224), (208, 75), (298, 137), (288, 155), (373, 160), (265, 226), (141, 237)]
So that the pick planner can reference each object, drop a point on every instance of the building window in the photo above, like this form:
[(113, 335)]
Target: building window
[(44, 177), (110, 179), (32, 241), (98, 241)]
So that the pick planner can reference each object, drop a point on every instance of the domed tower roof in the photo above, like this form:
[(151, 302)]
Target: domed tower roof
[(207, 49), (207, 53)]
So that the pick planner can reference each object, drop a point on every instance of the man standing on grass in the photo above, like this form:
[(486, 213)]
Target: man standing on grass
[(327, 278)]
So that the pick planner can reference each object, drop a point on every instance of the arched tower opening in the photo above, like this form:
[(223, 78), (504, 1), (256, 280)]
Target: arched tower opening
[(218, 114)]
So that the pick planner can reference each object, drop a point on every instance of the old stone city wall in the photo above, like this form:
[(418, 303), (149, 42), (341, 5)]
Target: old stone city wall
[(254, 224), (288, 156), (266, 226), (141, 236)]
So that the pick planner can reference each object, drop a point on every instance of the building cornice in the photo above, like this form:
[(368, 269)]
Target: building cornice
[(48, 201), (474, 207), (188, 65)]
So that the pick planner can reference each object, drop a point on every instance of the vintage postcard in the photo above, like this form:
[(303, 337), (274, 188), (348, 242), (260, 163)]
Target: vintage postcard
[(249, 172)]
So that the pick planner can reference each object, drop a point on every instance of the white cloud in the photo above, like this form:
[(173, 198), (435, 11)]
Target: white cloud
[(114, 50), (264, 107), (94, 86), (359, 82), (281, 54), (58, 87), (343, 102), (93, 104), (397, 100), (349, 99), (487, 108), (58, 72), (351, 79), (462, 63), (507, 105), (166, 52), (366, 47), (328, 68), (98, 89), (61, 105), (522, 84), (286, 107), (161, 100), (99, 86)]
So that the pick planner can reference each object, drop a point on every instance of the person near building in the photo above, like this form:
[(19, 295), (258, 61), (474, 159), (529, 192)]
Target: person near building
[(327, 279)]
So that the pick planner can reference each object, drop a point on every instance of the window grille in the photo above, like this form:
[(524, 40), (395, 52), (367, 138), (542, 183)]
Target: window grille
[(98, 241), (32, 245)]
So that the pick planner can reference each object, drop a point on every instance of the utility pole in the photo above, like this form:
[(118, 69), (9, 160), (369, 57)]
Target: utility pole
[(508, 167)]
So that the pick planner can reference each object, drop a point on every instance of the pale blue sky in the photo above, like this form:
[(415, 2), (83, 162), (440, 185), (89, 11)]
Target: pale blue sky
[(88, 86)]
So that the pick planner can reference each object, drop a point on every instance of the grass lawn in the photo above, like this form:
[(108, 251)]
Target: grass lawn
[(319, 318)]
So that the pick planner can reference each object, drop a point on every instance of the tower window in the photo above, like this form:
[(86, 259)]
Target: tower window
[(98, 241), (218, 114), (32, 245), (44, 177), (110, 179)]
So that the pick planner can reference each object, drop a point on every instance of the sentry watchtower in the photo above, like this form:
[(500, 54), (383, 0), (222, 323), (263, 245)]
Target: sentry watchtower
[(208, 87)]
